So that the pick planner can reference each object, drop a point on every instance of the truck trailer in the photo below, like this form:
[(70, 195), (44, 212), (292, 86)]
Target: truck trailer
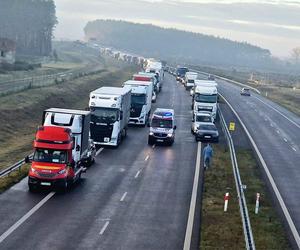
[(141, 98)]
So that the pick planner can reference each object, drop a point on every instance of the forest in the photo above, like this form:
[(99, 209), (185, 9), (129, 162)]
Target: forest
[(30, 23), (176, 45)]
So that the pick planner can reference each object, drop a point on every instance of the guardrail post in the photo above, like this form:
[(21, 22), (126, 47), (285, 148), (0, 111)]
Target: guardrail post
[(226, 199), (257, 203)]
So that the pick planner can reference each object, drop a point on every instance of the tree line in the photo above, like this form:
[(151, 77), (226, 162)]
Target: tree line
[(30, 23), (175, 45)]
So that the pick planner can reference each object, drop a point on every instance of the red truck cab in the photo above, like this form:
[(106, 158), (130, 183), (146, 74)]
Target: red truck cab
[(52, 164)]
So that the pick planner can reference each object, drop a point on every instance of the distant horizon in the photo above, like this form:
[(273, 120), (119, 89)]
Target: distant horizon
[(272, 25)]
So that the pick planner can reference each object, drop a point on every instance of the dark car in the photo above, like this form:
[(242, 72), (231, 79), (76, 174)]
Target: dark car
[(245, 91), (180, 73), (207, 133)]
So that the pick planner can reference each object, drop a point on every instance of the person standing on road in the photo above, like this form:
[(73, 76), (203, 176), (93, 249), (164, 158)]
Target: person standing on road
[(207, 155)]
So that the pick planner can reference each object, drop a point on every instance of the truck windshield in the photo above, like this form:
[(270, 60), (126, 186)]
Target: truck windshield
[(104, 115), (138, 99), (161, 123), (50, 155), (181, 71), (205, 98)]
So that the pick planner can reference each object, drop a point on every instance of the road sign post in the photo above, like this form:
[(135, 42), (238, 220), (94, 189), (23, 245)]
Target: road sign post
[(231, 126)]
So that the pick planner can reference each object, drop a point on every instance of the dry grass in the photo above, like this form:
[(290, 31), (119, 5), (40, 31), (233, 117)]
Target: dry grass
[(21, 112), (220, 230)]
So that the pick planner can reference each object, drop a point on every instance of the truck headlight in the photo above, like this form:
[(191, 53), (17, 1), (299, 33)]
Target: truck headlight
[(33, 170), (62, 171), (151, 133), (170, 135)]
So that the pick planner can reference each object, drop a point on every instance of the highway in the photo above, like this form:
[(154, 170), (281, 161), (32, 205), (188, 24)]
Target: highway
[(276, 132), (133, 197)]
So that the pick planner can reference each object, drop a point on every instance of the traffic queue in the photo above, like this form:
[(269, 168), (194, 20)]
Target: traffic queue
[(204, 104), (66, 142)]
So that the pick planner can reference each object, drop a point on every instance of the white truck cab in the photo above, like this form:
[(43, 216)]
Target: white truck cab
[(110, 109), (205, 99), (189, 80)]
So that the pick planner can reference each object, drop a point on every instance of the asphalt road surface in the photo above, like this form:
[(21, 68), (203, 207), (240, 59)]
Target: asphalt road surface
[(133, 197), (276, 132)]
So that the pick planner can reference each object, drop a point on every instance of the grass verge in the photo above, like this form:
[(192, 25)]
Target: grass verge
[(10, 180), (219, 229), (268, 231), (22, 112)]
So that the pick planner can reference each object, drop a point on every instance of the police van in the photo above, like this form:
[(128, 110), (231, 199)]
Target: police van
[(162, 127)]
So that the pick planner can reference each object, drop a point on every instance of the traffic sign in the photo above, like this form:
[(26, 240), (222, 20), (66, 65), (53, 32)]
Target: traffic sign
[(231, 126)]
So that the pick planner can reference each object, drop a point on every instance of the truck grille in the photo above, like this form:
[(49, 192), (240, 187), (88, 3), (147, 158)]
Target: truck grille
[(99, 132), (160, 135), (135, 112), (47, 175)]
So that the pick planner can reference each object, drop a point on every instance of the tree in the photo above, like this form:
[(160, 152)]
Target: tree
[(295, 54), (30, 23)]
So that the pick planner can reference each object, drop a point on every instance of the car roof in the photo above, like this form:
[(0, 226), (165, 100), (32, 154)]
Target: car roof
[(163, 113)]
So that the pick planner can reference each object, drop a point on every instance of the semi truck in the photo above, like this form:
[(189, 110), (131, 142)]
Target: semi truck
[(205, 99), (141, 98), (110, 109), (62, 149)]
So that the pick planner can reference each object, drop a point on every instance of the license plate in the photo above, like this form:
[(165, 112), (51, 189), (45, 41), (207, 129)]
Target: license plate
[(106, 139), (207, 136), (159, 140), (45, 183)]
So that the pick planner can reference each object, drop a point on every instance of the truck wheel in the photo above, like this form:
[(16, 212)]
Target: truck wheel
[(32, 188)]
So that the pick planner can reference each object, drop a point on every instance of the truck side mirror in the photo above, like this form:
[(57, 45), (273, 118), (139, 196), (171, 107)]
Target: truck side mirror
[(148, 124), (175, 127), (71, 164), (27, 160), (77, 148), (121, 115)]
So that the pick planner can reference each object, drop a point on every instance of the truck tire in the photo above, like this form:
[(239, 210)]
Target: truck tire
[(32, 188)]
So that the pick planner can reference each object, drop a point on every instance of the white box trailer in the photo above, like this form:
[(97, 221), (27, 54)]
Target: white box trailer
[(141, 98), (110, 109), (78, 121)]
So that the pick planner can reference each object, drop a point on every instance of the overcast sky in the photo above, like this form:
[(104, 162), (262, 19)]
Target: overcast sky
[(270, 24)]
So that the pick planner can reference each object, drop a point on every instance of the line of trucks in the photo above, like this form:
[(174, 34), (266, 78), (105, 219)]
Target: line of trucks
[(66, 142), (204, 104)]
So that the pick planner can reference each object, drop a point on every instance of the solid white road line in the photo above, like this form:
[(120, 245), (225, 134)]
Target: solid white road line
[(277, 131), (294, 149), (137, 174), (104, 228), (270, 106), (270, 177), (285, 139), (25, 217), (147, 157), (99, 151), (190, 223), (123, 196)]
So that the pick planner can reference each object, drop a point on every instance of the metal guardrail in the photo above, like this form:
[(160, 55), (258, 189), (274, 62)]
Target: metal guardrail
[(222, 78), (250, 244), (12, 86), (13, 167)]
